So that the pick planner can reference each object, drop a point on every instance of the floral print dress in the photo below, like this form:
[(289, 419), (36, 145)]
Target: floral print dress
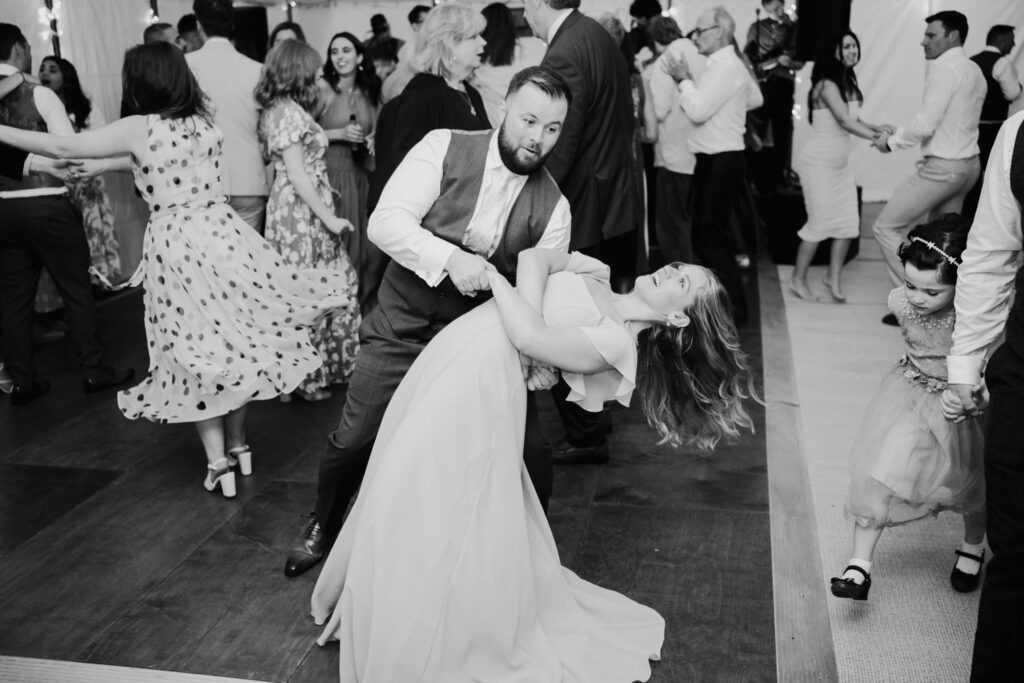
[(301, 237), (89, 195), (227, 320)]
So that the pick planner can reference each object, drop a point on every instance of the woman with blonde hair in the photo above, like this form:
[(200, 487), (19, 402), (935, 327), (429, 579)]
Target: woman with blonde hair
[(301, 220), (448, 52)]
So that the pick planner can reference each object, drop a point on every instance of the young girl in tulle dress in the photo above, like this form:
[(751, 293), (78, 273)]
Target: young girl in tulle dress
[(908, 461)]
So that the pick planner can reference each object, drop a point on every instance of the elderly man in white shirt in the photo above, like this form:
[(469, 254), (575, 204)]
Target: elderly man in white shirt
[(986, 309), (946, 128), (228, 78), (717, 105)]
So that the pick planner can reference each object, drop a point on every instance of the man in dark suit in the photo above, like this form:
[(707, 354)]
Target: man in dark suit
[(594, 165), (460, 202)]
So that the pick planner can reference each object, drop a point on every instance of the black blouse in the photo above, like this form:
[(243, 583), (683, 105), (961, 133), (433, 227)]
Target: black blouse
[(426, 104)]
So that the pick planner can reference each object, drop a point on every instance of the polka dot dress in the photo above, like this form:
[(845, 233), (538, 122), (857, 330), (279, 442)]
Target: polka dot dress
[(227, 321)]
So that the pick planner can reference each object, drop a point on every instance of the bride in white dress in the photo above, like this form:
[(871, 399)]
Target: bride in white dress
[(446, 569), (830, 192)]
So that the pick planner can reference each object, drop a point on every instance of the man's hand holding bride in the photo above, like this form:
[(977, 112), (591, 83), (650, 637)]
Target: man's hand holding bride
[(468, 272), (538, 377), (881, 139)]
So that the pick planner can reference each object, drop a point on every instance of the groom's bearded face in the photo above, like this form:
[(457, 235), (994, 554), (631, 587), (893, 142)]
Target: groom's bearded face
[(523, 158), (530, 129)]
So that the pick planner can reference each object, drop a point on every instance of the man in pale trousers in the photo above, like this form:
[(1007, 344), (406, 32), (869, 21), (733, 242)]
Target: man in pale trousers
[(228, 78), (947, 129)]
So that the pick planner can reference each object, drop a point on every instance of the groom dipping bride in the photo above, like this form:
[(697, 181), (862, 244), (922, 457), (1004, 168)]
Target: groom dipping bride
[(446, 569)]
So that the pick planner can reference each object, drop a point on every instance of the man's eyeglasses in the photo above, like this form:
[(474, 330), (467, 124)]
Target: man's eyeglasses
[(698, 32)]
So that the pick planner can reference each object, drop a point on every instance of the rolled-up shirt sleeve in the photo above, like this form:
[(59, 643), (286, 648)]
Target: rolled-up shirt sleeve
[(1006, 76), (52, 111), (396, 224), (939, 88), (556, 234), (989, 265)]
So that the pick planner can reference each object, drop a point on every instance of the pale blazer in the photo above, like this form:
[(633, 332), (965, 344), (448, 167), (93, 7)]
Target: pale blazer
[(228, 78)]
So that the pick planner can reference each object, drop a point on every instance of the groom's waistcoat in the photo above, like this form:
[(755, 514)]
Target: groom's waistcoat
[(18, 110), (410, 309)]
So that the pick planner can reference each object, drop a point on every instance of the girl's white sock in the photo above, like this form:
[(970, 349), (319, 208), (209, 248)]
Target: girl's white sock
[(853, 574), (966, 564)]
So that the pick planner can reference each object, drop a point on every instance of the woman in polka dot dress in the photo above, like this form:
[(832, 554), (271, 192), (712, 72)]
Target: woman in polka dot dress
[(227, 320), (301, 223)]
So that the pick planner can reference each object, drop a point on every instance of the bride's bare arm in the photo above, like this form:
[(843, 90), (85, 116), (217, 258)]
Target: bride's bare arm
[(532, 270), (566, 348)]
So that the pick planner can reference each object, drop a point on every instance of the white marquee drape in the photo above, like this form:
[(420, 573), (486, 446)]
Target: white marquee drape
[(97, 32)]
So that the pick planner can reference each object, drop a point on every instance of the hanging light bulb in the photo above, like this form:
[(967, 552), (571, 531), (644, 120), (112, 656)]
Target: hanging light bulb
[(151, 18)]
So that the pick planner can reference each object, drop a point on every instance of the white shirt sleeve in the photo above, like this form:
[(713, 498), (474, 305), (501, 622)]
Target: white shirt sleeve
[(985, 280), (1006, 76), (939, 88), (716, 87), (51, 109), (396, 224), (556, 234)]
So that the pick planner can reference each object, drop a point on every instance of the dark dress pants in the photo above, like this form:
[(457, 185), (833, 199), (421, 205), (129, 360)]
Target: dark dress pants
[(37, 232), (998, 653), (986, 140), (778, 114), (672, 221), (383, 362), (717, 187)]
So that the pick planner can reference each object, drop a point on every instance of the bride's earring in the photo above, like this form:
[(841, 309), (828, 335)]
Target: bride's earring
[(678, 319)]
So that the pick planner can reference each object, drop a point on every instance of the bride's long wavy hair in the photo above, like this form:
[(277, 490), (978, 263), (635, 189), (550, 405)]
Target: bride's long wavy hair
[(693, 380)]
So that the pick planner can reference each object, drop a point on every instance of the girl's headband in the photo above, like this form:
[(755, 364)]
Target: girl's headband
[(934, 247)]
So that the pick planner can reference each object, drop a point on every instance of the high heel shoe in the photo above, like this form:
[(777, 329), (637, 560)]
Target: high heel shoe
[(961, 581), (220, 472), (240, 457), (838, 298), (847, 588)]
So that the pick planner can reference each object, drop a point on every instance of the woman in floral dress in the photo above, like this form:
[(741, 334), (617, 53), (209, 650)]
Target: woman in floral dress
[(301, 223), (89, 195)]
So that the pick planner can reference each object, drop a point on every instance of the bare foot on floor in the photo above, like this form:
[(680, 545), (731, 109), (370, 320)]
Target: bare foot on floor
[(801, 290), (835, 290)]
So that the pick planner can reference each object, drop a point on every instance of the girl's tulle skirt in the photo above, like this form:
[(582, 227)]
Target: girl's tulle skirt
[(908, 461)]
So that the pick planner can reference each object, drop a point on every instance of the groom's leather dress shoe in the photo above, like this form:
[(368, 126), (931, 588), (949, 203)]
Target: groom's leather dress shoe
[(309, 550), (107, 377), (23, 394), (581, 455)]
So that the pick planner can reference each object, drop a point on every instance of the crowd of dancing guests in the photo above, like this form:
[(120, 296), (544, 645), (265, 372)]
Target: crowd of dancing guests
[(359, 216), (251, 292)]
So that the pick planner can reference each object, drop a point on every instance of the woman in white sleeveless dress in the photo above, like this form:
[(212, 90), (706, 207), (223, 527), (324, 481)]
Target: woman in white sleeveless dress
[(830, 192), (446, 570)]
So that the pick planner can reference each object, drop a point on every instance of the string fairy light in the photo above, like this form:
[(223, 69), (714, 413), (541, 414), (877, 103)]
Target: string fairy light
[(48, 16)]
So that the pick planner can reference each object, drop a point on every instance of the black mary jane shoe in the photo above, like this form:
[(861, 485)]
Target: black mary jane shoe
[(962, 582), (845, 588)]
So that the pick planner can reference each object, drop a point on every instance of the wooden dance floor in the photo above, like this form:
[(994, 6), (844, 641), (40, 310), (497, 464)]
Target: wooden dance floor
[(112, 555)]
